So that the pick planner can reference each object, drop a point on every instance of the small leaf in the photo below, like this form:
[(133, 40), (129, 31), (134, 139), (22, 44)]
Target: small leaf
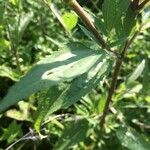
[(11, 132), (137, 72), (57, 15), (70, 19), (22, 114), (73, 135), (24, 21), (132, 140), (101, 104), (87, 32), (15, 2)]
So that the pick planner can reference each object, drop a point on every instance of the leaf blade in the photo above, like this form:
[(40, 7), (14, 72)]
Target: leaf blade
[(132, 139), (66, 65), (72, 92)]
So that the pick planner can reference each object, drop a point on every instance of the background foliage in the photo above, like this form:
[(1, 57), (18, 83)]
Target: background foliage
[(32, 31)]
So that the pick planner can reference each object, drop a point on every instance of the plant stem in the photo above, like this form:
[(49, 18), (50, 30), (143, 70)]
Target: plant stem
[(17, 58), (143, 4), (85, 17), (110, 93), (135, 4), (115, 77), (120, 57)]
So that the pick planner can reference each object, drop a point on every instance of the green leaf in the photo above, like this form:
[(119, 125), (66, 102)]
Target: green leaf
[(2, 10), (44, 105), (69, 94), (73, 135), (109, 13), (127, 25), (11, 132), (137, 72), (132, 140), (25, 19), (4, 44), (56, 14), (22, 114), (87, 32), (18, 28), (70, 19), (15, 2), (62, 66), (101, 25), (80, 87), (113, 11), (132, 90), (101, 104), (146, 18), (146, 14), (9, 73)]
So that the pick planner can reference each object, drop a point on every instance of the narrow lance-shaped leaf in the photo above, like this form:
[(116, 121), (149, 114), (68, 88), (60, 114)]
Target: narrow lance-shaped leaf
[(72, 92), (87, 32), (62, 66), (127, 25), (137, 72)]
